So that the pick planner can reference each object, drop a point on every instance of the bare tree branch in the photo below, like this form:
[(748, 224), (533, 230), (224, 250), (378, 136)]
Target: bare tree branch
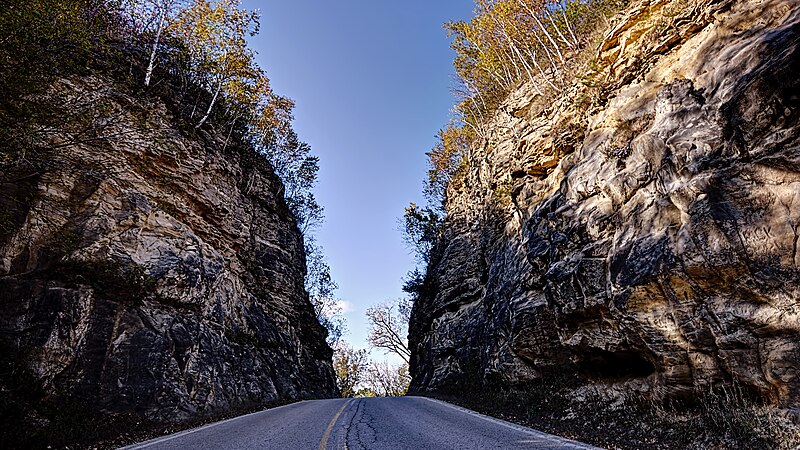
[(388, 329)]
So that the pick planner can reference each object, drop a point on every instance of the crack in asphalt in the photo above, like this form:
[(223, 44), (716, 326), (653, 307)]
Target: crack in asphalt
[(364, 423), (349, 425), (365, 434)]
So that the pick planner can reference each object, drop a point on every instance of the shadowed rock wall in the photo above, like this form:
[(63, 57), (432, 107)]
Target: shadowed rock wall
[(152, 269)]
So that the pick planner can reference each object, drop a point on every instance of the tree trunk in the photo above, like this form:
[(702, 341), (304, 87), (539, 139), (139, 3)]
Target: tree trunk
[(514, 49), (560, 34), (210, 105), (544, 75), (230, 132), (569, 27), (153, 54), (544, 30)]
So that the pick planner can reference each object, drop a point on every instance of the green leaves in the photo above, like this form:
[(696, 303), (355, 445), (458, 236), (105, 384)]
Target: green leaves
[(421, 229), (350, 366)]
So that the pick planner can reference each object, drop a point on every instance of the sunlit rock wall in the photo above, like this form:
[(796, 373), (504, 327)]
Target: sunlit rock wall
[(649, 240)]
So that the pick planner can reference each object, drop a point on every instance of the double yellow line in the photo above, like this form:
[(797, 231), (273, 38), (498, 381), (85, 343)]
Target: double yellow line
[(323, 444)]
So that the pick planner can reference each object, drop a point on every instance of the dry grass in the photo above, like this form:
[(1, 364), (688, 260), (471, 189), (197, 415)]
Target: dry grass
[(725, 418)]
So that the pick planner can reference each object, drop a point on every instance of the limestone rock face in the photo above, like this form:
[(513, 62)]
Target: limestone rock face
[(649, 242), (158, 272)]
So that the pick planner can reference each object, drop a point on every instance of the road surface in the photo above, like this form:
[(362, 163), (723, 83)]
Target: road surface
[(363, 423)]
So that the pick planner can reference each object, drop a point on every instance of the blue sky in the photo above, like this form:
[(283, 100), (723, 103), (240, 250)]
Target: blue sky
[(371, 80)]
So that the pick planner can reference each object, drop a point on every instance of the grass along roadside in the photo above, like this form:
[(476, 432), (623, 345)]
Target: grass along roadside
[(724, 418)]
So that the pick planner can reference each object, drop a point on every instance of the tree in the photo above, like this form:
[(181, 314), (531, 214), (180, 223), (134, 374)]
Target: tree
[(350, 366), (421, 229), (291, 158), (215, 34), (386, 380), (510, 40), (166, 11), (388, 327), (299, 176), (366, 392), (321, 290), (150, 19), (444, 160)]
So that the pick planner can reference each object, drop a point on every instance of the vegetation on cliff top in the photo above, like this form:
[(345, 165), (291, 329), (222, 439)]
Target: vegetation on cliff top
[(508, 42)]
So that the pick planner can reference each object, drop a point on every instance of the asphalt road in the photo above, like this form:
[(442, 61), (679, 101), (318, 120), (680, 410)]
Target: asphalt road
[(364, 423)]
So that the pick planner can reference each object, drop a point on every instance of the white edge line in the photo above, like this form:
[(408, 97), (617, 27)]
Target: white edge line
[(531, 431), (170, 437)]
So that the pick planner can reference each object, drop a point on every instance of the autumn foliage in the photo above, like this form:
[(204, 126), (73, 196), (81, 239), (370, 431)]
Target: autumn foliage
[(512, 41)]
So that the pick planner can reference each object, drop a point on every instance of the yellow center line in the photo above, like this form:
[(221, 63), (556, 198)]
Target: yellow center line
[(323, 444)]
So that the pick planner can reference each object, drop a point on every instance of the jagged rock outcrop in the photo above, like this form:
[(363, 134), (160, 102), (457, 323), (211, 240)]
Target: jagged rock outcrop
[(648, 241), (149, 268)]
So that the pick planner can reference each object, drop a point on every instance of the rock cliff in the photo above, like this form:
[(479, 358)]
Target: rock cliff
[(149, 268), (641, 229)]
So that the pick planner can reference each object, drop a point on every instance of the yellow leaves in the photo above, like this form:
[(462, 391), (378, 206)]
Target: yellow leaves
[(510, 40), (217, 32), (445, 159), (275, 114), (452, 143), (213, 34)]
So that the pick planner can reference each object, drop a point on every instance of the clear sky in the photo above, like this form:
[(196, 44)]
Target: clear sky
[(371, 80)]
